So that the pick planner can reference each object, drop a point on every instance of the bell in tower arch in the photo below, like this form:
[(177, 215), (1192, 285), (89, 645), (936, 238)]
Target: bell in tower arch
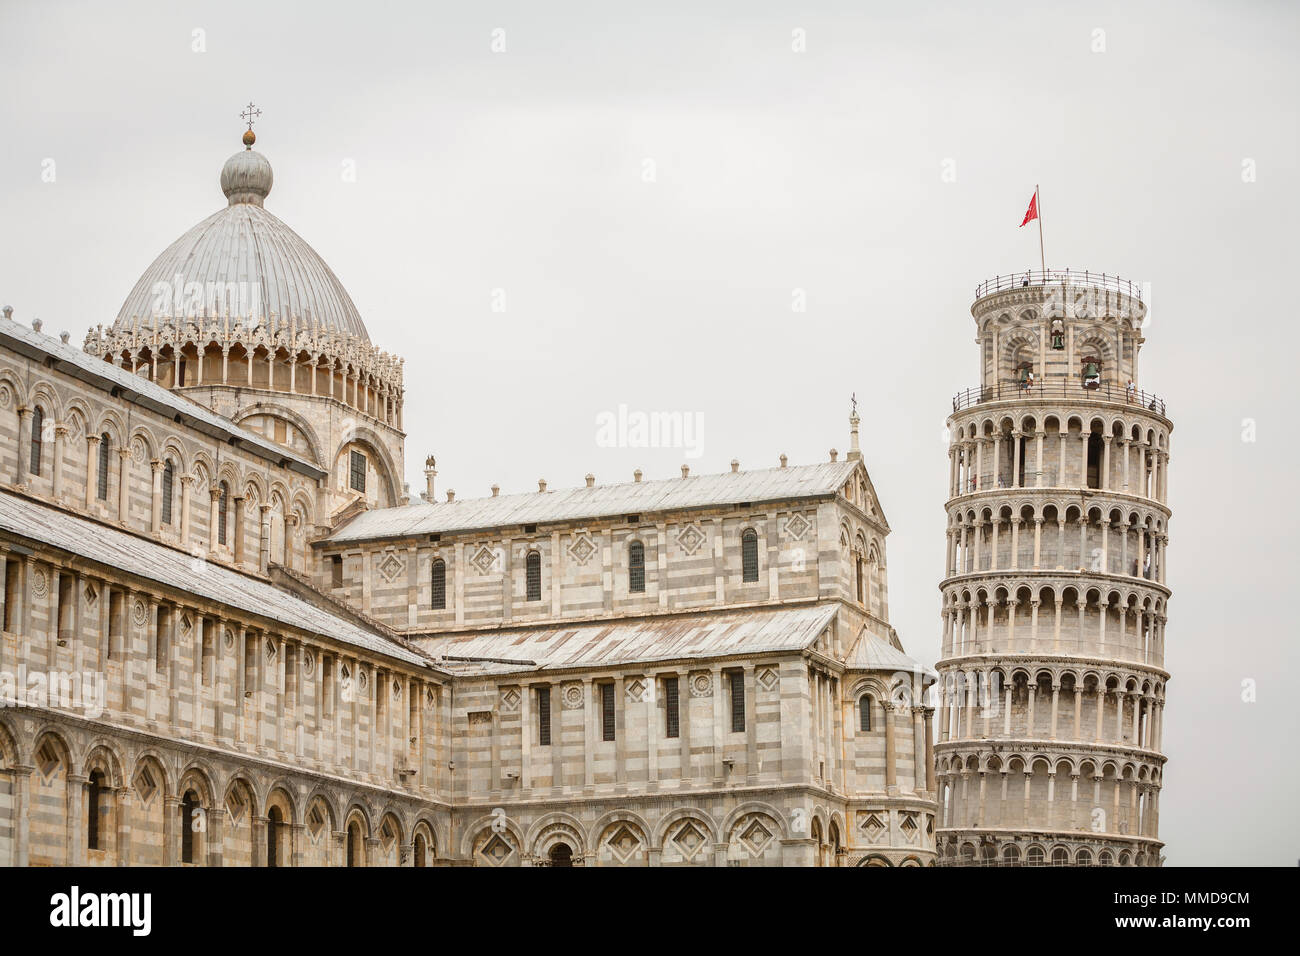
[(1091, 374), (1058, 336)]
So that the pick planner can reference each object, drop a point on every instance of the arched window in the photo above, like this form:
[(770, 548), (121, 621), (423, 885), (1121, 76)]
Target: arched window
[(1060, 856), (102, 480), (274, 820), (1035, 856), (223, 499), (38, 426), (421, 849), (189, 804), (439, 585), (1011, 854), (93, 790), (636, 567), (533, 573), (864, 713), (749, 554), (168, 489), (561, 855)]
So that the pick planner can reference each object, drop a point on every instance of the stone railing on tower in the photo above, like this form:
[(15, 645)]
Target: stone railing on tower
[(1058, 389)]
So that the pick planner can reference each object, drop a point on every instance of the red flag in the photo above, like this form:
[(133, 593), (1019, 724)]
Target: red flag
[(1032, 212)]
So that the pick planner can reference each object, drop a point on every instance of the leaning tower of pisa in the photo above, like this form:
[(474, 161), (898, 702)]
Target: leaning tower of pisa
[(1054, 595)]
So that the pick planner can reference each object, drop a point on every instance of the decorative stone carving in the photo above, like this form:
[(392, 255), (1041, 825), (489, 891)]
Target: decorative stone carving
[(582, 548), (390, 565), (796, 526), (690, 539), (484, 560)]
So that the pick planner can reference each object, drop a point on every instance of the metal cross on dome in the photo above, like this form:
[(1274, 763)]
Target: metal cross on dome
[(250, 113), (854, 399)]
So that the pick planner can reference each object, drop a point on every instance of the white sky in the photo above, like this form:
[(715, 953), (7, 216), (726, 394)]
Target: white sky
[(775, 171)]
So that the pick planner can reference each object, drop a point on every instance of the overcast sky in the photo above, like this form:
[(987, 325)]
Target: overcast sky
[(649, 188)]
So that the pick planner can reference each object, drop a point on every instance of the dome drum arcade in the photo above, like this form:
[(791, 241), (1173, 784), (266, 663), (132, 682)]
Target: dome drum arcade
[(243, 316)]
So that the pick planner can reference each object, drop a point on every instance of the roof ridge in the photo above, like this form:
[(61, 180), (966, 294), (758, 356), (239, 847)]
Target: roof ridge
[(843, 463), (119, 377)]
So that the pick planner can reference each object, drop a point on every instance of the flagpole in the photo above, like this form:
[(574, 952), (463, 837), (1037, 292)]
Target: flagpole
[(1038, 201)]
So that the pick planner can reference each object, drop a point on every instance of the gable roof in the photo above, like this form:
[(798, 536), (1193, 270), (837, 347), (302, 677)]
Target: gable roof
[(695, 636), (176, 569), (599, 501), (140, 391)]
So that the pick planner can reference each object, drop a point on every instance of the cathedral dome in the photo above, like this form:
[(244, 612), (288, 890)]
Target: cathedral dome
[(242, 260)]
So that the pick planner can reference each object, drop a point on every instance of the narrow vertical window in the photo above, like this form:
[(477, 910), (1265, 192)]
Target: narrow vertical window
[(636, 567), (93, 790), (274, 820), (672, 715), (189, 804), (353, 847), (116, 621), (357, 463), (66, 602), (737, 682), (162, 627), (544, 716), (336, 571), (208, 652), (439, 597), (102, 479), (168, 488), (223, 500), (858, 565), (38, 426), (533, 573), (864, 713), (12, 571), (749, 554), (607, 711)]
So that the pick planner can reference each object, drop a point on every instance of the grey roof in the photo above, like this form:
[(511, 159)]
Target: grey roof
[(139, 390), (172, 568), (875, 653), (244, 243), (600, 501), (693, 636)]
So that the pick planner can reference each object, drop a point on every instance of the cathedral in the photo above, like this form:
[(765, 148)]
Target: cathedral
[(231, 636)]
